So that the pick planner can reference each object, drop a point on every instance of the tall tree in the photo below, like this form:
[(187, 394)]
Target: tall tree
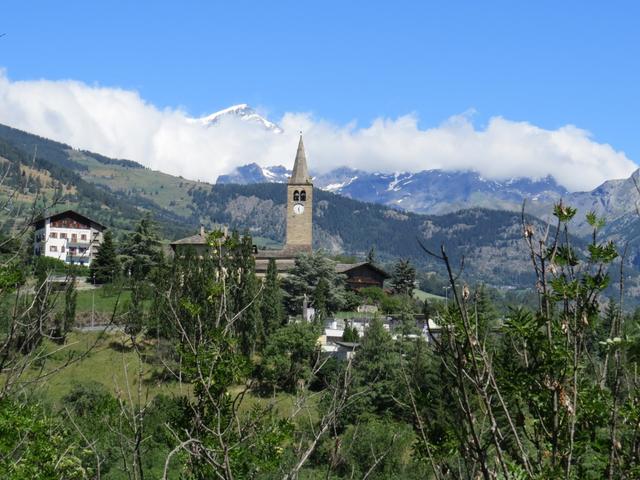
[(376, 371), (309, 272), (271, 307), (289, 356), (320, 299), (403, 278), (64, 320), (371, 255), (244, 293), (141, 251), (105, 267), (135, 317)]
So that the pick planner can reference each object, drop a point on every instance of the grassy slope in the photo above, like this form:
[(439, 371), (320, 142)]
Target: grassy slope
[(102, 300), (119, 370), (421, 295), (165, 190), (107, 363)]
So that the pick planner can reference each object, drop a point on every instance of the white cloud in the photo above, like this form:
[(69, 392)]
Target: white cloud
[(119, 123)]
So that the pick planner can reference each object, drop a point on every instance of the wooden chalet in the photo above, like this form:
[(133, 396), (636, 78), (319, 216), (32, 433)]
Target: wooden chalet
[(363, 274)]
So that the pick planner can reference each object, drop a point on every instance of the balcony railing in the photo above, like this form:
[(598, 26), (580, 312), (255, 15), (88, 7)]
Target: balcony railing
[(78, 258), (78, 243)]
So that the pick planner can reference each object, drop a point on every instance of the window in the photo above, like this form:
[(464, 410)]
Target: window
[(62, 248), (296, 196), (63, 235), (53, 235), (83, 236), (303, 196), (53, 248)]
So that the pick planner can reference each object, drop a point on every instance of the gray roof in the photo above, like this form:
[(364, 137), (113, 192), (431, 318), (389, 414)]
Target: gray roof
[(300, 173), (282, 264), (192, 240)]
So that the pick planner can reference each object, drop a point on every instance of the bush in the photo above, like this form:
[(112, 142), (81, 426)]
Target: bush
[(288, 356)]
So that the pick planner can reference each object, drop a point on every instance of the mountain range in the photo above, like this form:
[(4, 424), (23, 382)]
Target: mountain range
[(428, 191), (441, 192)]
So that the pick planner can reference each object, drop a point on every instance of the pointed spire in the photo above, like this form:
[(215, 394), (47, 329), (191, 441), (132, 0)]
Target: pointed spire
[(300, 173)]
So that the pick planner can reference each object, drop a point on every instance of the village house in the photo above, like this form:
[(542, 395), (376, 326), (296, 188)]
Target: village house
[(68, 236)]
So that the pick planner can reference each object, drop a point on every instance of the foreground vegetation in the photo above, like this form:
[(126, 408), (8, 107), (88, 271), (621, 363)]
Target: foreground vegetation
[(206, 371)]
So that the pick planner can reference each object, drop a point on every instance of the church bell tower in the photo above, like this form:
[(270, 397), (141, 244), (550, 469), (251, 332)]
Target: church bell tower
[(300, 205)]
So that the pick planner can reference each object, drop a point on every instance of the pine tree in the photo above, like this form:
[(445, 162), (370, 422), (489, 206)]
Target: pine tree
[(371, 255), (427, 310), (63, 321), (135, 318), (350, 333), (320, 296), (304, 278), (68, 316), (271, 307), (105, 267), (244, 298), (141, 251), (403, 278)]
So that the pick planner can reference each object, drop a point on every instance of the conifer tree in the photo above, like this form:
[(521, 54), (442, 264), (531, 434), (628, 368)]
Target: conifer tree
[(245, 292), (141, 251), (320, 296), (63, 321), (271, 308), (371, 255), (403, 278), (135, 318), (105, 267), (350, 333), (303, 279), (427, 309)]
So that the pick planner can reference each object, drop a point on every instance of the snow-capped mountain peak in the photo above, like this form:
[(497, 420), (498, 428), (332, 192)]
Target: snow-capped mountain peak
[(242, 111), (427, 191)]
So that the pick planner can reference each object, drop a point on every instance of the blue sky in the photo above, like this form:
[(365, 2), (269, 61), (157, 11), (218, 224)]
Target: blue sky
[(547, 63)]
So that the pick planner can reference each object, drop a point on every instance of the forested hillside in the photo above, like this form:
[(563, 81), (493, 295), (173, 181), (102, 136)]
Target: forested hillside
[(490, 240), (56, 171)]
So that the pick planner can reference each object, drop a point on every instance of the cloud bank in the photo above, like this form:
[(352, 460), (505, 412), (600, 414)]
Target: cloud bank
[(119, 123)]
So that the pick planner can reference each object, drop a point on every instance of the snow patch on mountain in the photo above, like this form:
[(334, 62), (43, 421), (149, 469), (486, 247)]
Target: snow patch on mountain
[(428, 191), (242, 111), (334, 187)]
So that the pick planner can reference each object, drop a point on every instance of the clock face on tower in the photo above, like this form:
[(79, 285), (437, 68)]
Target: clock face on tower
[(298, 208)]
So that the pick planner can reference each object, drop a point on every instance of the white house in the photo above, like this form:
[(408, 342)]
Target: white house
[(68, 236)]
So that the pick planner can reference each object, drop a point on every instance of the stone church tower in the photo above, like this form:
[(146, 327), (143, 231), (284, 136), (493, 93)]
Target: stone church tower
[(299, 205)]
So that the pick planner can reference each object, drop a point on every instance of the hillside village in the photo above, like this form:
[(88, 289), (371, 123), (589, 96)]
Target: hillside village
[(75, 239), (111, 276), (319, 241), (301, 316)]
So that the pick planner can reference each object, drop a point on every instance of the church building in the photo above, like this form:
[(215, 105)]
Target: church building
[(299, 236)]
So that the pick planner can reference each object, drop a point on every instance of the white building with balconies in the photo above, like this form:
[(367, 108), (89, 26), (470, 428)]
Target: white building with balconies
[(68, 236)]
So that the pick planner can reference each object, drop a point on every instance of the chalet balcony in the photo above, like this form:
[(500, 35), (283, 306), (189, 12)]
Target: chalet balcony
[(78, 258), (78, 244)]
